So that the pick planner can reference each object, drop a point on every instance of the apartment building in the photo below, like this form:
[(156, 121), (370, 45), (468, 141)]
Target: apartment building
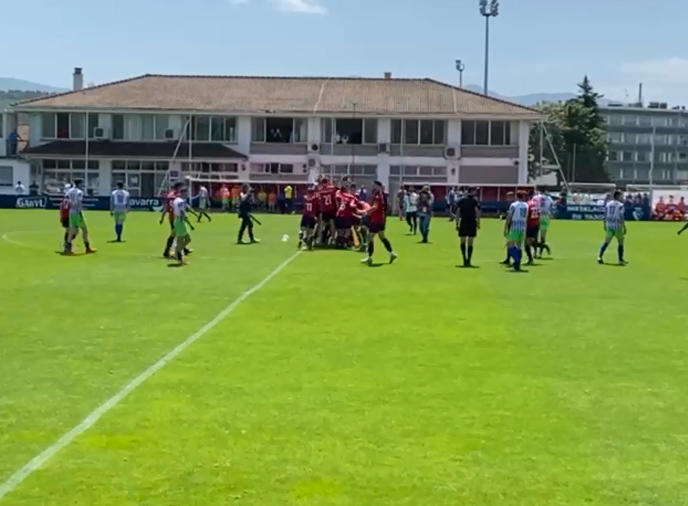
[(634, 133)]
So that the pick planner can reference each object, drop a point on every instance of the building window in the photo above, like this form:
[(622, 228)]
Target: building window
[(630, 120), (661, 139), (118, 126), (213, 129), (67, 126), (642, 156), (280, 130), (615, 120), (348, 131), (272, 168), (659, 121), (627, 156), (370, 131), (645, 121), (629, 138), (615, 137), (419, 132), (666, 174), (500, 134), (141, 178), (643, 139), (484, 133), (613, 156), (6, 177), (57, 173)]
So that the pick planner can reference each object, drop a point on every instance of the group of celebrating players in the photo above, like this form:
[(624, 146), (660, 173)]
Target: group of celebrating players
[(341, 216)]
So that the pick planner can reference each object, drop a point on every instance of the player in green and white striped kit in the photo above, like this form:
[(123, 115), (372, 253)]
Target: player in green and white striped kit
[(515, 228), (119, 206), (614, 226)]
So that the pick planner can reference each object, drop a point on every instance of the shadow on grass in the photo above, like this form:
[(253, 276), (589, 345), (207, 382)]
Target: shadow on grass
[(468, 267), (115, 241), (613, 265), (176, 265), (522, 271)]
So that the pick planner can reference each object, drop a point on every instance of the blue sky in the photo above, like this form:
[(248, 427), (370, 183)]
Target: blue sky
[(537, 45)]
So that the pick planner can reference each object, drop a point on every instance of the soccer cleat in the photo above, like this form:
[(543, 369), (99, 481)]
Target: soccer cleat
[(623, 262), (392, 257), (90, 251), (506, 262), (300, 244), (600, 261), (367, 260), (255, 241)]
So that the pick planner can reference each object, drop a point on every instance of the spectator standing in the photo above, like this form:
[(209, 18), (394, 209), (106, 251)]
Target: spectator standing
[(20, 189), (13, 140), (425, 203), (288, 198), (272, 201), (262, 198)]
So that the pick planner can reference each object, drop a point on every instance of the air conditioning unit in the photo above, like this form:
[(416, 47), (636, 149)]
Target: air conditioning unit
[(312, 162), (99, 133), (314, 148), (383, 147), (169, 134), (451, 153)]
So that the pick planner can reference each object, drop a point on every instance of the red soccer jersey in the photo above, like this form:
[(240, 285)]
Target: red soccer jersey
[(169, 198), (311, 205), (347, 205), (534, 212), (64, 209), (328, 202), (379, 214)]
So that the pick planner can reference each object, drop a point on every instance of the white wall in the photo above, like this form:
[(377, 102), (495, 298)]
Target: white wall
[(21, 171)]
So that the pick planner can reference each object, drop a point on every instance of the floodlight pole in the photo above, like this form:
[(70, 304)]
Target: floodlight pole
[(460, 66), (487, 12)]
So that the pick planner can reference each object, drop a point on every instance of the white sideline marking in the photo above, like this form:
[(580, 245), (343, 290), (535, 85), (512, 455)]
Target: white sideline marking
[(21, 474)]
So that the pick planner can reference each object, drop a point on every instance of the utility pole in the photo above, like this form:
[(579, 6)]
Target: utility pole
[(487, 12)]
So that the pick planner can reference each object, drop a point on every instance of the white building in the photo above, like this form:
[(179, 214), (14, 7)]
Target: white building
[(274, 130)]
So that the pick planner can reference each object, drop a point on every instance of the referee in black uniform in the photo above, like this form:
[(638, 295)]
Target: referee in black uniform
[(245, 203), (468, 223)]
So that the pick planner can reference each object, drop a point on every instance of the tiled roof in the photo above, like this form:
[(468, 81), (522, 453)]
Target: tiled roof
[(161, 150), (304, 95)]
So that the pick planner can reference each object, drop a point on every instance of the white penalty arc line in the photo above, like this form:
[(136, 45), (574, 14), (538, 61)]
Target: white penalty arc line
[(22, 473)]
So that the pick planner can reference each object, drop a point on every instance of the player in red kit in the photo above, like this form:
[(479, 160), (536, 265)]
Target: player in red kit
[(344, 218), (377, 216), (327, 208), (532, 226), (64, 217), (311, 209)]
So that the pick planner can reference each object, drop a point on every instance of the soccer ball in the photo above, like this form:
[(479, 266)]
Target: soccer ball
[(285, 238)]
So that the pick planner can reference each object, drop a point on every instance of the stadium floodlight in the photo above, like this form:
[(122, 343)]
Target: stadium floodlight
[(460, 66), (488, 10)]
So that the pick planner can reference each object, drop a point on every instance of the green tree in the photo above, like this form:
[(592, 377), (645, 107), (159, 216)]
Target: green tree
[(578, 136)]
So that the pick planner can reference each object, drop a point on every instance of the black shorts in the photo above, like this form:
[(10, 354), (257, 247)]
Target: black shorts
[(532, 232), (343, 222), (412, 215), (308, 222), (376, 227), (468, 228), (65, 222), (328, 216)]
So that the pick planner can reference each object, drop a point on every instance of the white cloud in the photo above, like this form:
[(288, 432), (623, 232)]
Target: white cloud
[(668, 71), (304, 6)]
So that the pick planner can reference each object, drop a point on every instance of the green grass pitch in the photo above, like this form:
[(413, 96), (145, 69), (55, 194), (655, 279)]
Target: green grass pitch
[(417, 383)]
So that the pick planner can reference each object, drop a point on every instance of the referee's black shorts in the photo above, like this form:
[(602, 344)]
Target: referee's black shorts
[(468, 228)]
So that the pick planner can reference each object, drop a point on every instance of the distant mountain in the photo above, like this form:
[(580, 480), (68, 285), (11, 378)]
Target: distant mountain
[(10, 83), (527, 100)]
